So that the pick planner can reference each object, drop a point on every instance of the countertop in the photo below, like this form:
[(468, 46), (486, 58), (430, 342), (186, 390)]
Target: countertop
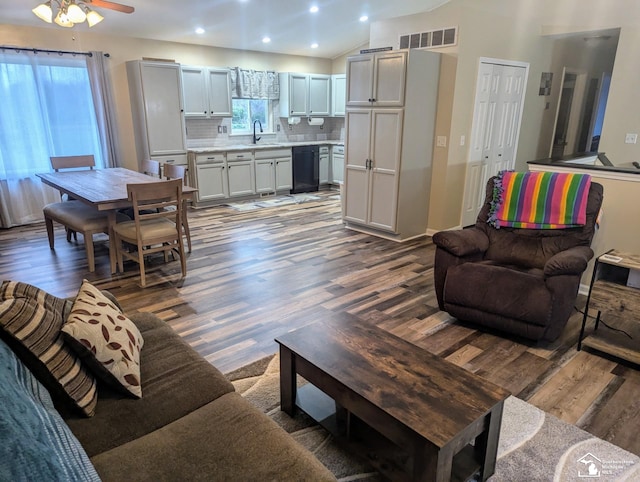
[(577, 161), (263, 146)]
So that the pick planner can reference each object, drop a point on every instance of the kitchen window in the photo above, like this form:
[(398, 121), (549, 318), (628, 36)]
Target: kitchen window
[(246, 111)]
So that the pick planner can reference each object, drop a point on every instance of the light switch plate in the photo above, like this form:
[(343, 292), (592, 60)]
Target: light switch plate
[(631, 138)]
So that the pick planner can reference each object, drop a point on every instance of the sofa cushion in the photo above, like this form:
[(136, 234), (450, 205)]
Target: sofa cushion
[(227, 439), (31, 321), (106, 340), (36, 443), (507, 291), (176, 380)]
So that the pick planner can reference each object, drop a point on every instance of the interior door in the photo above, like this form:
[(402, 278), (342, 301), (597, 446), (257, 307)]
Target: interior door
[(496, 124)]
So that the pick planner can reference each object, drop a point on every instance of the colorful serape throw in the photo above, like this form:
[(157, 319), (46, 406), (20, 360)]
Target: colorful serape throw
[(539, 200)]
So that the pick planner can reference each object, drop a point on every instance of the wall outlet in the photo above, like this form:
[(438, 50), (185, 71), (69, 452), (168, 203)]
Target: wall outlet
[(631, 138), (219, 129), (441, 141)]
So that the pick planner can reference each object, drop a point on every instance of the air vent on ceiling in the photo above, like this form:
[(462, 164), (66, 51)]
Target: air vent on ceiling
[(432, 39)]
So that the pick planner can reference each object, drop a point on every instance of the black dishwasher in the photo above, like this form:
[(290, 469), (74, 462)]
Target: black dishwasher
[(306, 169)]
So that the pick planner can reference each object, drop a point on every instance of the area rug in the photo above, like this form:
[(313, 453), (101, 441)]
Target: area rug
[(272, 202), (534, 446)]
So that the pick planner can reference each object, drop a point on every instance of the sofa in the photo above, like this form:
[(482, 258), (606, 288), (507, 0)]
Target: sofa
[(523, 282), (185, 423)]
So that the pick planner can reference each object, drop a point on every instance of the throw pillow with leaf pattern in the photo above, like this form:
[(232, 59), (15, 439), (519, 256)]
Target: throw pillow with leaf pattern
[(106, 340)]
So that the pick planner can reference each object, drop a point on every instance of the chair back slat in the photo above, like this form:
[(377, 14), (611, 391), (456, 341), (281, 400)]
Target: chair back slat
[(150, 168), (175, 171), (72, 162), (153, 200)]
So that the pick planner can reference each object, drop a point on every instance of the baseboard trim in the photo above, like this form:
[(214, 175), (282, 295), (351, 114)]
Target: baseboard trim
[(431, 232)]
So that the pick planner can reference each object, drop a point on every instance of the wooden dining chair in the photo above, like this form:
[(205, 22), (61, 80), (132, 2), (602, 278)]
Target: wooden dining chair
[(150, 168), (156, 226), (74, 215), (173, 171)]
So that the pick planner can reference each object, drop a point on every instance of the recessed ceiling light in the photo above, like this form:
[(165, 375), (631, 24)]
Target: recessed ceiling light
[(314, 46), (314, 9), (266, 40), (364, 18), (199, 30)]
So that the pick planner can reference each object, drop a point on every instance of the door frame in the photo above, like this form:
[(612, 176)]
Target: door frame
[(465, 220), (577, 104)]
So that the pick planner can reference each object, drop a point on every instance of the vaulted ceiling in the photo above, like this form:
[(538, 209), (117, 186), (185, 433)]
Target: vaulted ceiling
[(336, 27)]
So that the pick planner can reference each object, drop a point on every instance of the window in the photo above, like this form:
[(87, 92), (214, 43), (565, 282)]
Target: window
[(246, 111), (47, 110)]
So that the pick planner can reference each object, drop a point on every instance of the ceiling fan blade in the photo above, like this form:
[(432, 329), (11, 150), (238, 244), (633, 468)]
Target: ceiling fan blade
[(111, 5)]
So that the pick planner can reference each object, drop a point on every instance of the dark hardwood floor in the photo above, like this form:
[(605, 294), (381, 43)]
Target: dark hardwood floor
[(257, 274)]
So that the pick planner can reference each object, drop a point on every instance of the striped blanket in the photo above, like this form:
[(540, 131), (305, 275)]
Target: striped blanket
[(539, 200)]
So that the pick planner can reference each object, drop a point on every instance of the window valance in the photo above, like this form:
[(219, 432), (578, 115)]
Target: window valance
[(254, 84)]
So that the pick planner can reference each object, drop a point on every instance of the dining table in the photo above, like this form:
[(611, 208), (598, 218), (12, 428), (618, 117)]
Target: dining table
[(105, 189)]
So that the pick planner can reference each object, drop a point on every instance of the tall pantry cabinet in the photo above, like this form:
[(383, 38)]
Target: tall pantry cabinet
[(155, 89), (391, 103)]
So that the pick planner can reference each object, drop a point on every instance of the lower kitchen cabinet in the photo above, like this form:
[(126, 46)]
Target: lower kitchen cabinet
[(241, 178), (324, 165), (284, 179), (212, 181)]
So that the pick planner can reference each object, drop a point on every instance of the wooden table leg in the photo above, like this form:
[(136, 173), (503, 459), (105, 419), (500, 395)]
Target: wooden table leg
[(431, 464), (111, 216), (486, 445), (287, 381)]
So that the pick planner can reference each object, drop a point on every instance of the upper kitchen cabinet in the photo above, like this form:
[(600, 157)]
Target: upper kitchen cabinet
[(155, 89), (338, 94), (207, 92), (305, 95), (376, 80)]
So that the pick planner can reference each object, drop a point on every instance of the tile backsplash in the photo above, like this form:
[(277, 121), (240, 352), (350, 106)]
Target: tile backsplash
[(204, 132)]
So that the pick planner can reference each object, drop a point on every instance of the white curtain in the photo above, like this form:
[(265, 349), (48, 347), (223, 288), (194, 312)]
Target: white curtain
[(254, 84), (104, 105), (47, 109)]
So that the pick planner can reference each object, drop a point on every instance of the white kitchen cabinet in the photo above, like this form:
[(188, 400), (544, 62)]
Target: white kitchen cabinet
[(338, 94), (265, 175), (324, 165), (284, 178), (241, 173), (155, 90), (207, 92), (273, 170), (337, 164), (210, 176), (305, 94), (388, 152), (319, 95), (376, 80)]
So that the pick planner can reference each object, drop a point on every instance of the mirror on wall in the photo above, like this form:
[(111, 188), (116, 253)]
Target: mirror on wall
[(587, 64)]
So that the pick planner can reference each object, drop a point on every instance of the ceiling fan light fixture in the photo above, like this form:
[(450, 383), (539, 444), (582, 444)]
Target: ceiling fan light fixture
[(62, 19), (76, 14), (93, 18), (44, 12)]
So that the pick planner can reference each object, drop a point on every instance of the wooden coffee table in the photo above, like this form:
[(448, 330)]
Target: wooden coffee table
[(429, 407)]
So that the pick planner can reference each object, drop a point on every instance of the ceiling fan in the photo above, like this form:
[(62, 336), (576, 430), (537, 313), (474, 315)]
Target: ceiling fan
[(71, 12)]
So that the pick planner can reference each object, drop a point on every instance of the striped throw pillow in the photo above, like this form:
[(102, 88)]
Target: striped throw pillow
[(33, 319)]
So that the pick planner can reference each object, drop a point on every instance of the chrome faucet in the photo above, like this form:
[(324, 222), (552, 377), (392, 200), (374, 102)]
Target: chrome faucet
[(256, 139)]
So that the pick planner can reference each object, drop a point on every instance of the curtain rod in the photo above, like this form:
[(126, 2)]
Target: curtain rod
[(59, 52)]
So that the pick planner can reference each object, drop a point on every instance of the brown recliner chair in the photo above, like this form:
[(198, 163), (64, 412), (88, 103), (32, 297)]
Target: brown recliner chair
[(521, 281)]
